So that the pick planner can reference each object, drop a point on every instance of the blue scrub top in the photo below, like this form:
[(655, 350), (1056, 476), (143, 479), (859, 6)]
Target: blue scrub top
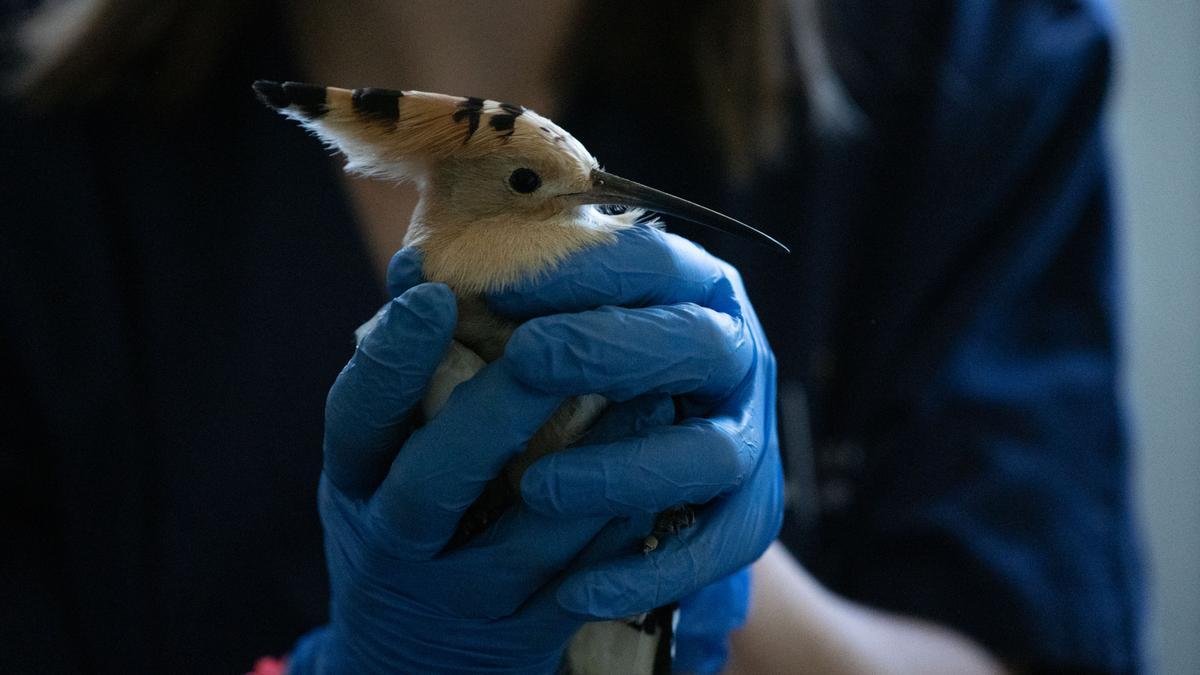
[(177, 294)]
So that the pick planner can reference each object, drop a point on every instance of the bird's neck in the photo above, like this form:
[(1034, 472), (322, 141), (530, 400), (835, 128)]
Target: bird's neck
[(494, 254)]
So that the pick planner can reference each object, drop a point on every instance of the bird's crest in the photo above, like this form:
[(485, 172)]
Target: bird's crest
[(395, 134)]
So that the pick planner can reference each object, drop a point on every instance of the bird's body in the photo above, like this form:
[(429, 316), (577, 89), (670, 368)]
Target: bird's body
[(480, 338), (505, 195)]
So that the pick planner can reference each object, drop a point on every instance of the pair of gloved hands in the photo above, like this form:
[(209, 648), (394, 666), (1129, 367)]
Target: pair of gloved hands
[(653, 323)]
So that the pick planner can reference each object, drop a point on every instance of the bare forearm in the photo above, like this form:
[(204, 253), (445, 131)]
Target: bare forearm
[(796, 626)]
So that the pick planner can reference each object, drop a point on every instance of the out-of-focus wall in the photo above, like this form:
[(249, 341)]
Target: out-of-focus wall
[(1156, 129)]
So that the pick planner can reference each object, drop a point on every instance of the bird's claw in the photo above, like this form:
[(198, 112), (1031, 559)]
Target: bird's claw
[(668, 522)]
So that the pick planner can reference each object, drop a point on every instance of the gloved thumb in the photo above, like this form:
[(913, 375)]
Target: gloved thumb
[(369, 405), (404, 271)]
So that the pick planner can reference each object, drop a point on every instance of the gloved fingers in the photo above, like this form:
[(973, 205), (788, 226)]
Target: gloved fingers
[(444, 465), (618, 537), (688, 463), (496, 572), (623, 353), (404, 271), (626, 418), (371, 399), (728, 534), (645, 266)]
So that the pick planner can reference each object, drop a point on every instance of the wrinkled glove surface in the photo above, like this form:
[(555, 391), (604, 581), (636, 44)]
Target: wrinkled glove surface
[(653, 323), (722, 452)]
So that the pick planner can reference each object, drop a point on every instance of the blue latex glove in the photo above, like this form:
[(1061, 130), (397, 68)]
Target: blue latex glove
[(391, 496), (724, 447), (397, 604), (707, 617), (724, 451)]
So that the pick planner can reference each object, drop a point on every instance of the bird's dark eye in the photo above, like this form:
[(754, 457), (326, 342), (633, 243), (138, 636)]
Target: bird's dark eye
[(524, 181)]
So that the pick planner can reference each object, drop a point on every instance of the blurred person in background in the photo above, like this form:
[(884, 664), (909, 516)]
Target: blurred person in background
[(182, 272)]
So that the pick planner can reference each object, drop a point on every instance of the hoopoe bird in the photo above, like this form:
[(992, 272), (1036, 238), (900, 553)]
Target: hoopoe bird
[(505, 194)]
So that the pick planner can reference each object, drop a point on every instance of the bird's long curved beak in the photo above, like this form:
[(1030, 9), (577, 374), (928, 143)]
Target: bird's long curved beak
[(610, 189)]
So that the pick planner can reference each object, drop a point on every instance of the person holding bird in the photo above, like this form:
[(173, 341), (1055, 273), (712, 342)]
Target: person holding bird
[(561, 443)]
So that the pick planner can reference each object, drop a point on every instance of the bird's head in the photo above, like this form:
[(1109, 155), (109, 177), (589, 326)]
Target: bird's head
[(504, 191)]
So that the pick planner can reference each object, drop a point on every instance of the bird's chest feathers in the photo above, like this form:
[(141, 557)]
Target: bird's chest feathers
[(494, 254)]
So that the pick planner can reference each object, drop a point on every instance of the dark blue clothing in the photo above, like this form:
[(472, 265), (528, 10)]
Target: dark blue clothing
[(177, 295)]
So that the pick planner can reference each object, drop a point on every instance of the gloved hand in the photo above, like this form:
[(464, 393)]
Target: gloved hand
[(723, 452), (725, 445), (391, 496), (398, 605)]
